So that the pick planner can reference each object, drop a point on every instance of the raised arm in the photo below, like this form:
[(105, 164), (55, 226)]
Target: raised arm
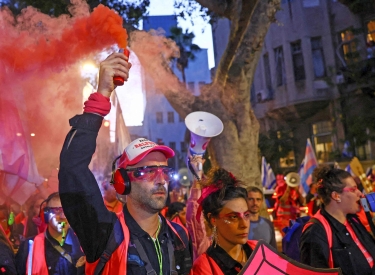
[(196, 228), (80, 195)]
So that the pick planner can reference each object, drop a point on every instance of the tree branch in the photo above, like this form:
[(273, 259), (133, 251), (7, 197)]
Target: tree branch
[(240, 23), (220, 7)]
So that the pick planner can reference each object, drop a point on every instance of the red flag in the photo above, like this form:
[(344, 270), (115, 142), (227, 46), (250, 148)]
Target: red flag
[(266, 260), (19, 173)]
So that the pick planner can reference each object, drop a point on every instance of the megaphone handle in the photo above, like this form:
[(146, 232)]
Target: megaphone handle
[(192, 170)]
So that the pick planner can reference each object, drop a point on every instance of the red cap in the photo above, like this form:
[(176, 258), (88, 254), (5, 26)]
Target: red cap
[(139, 148)]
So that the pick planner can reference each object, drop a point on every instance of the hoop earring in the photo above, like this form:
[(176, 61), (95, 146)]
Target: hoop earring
[(214, 236)]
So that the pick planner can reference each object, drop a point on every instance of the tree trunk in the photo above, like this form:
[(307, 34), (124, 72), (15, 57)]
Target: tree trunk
[(236, 149)]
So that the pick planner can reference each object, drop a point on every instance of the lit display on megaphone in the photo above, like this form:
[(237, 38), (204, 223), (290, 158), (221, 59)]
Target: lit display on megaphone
[(202, 126)]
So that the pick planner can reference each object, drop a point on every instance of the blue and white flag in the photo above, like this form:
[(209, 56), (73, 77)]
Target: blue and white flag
[(349, 170), (268, 177)]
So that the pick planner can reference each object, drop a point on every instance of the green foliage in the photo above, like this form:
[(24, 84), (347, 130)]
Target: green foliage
[(184, 41), (190, 10), (276, 144), (359, 6)]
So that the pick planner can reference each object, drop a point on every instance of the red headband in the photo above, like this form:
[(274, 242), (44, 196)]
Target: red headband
[(205, 193)]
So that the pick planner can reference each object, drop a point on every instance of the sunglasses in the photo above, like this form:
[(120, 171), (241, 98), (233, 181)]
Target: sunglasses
[(350, 189), (150, 173), (234, 217), (56, 210)]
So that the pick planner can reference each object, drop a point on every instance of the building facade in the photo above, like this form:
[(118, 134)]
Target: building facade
[(302, 85)]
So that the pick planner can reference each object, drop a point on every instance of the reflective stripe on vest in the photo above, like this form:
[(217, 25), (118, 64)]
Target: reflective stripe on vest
[(39, 265), (328, 230)]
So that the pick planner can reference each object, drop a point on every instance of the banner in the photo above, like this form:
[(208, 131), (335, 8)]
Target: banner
[(266, 260)]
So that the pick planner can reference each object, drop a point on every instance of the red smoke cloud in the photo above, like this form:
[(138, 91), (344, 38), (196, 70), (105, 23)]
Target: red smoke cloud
[(41, 86)]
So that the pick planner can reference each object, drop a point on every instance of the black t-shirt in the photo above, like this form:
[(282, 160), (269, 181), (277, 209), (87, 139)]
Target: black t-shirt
[(227, 264)]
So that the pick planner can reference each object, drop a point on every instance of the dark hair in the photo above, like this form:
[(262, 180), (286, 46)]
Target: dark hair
[(228, 190), (5, 240), (329, 180), (4, 207), (255, 190), (174, 208), (50, 197)]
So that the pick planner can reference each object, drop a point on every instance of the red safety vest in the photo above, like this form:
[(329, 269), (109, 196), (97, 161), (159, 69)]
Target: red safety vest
[(118, 260), (39, 265), (328, 230), (204, 264)]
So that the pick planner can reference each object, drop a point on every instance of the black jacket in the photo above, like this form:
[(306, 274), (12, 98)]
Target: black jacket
[(7, 262), (85, 210), (346, 254)]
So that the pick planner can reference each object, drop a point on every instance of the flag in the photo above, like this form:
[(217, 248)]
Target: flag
[(268, 177), (346, 150), (309, 163), (18, 171), (349, 170)]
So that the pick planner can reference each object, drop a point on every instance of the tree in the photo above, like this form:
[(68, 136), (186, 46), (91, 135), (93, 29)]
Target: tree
[(187, 48), (228, 96)]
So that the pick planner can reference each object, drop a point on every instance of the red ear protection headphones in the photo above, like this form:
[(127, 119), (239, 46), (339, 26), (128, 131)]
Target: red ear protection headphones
[(120, 179), (44, 211)]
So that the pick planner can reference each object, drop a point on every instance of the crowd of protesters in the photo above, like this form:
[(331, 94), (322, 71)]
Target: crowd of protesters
[(124, 226)]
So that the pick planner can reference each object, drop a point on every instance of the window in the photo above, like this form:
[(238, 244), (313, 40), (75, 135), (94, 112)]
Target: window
[(371, 31), (322, 136), (280, 66), (172, 145), (310, 3), (183, 147), (348, 47), (160, 141), (298, 67), (180, 119), (285, 140), (267, 73), (170, 117), (371, 39), (159, 117), (318, 57)]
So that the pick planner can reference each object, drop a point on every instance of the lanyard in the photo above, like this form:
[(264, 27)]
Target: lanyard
[(158, 249)]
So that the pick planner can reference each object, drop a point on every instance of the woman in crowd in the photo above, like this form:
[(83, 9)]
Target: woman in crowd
[(225, 209), (352, 247), (7, 262)]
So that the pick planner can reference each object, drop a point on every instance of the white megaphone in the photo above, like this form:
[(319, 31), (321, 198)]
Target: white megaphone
[(202, 126), (292, 179)]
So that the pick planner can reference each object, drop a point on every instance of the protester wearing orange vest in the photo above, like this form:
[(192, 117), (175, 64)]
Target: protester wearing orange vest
[(56, 250), (346, 243), (224, 206), (137, 240)]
